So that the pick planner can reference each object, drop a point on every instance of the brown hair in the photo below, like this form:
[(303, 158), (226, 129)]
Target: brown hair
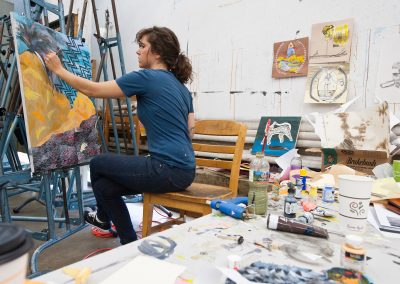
[(164, 42)]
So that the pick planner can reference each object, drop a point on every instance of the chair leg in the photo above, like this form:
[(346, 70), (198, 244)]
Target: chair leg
[(147, 215)]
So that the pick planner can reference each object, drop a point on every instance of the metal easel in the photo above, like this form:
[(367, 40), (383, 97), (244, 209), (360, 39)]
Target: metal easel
[(52, 183)]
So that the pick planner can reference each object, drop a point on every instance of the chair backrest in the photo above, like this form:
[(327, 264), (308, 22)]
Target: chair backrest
[(231, 155)]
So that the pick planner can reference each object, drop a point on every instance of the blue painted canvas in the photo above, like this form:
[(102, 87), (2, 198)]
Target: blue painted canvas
[(281, 137), (60, 121)]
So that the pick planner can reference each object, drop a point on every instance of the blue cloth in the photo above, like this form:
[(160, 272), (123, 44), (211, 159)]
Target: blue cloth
[(163, 107)]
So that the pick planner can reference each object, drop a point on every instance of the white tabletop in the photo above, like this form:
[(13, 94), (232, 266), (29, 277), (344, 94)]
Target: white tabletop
[(201, 250)]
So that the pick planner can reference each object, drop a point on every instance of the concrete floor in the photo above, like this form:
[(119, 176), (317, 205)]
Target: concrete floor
[(75, 247)]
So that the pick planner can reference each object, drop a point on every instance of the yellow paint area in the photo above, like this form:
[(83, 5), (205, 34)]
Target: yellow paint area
[(49, 111)]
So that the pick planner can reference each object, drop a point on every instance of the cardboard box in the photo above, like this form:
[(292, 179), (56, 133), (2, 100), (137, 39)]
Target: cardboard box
[(359, 160)]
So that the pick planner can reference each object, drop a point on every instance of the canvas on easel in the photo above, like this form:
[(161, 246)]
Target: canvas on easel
[(281, 137), (60, 121)]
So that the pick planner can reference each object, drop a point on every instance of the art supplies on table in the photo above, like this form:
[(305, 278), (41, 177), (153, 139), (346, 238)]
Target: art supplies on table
[(280, 223), (387, 220), (328, 194), (353, 253)]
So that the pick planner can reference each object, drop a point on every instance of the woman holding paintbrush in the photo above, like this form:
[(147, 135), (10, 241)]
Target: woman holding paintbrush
[(166, 110)]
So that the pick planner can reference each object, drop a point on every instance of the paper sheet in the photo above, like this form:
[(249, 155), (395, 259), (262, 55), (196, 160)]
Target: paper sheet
[(373, 222), (145, 269), (385, 188)]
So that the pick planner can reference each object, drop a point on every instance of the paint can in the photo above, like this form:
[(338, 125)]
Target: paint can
[(328, 194)]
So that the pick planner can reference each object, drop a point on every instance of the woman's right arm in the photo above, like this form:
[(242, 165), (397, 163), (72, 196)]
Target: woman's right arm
[(109, 89)]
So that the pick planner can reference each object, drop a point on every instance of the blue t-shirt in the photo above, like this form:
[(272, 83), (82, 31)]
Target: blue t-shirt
[(163, 105)]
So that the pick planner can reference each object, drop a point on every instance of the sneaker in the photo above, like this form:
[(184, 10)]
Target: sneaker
[(91, 218), (111, 233)]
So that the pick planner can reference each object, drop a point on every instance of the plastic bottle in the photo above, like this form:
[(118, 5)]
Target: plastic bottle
[(259, 168), (299, 187), (296, 163), (303, 176), (327, 194), (353, 253), (290, 205), (258, 177)]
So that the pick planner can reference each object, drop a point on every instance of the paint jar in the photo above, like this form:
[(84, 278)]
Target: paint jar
[(353, 253), (299, 188), (306, 218), (328, 194), (290, 205), (258, 198)]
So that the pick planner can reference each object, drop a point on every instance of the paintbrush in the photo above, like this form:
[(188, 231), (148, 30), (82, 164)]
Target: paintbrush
[(266, 135)]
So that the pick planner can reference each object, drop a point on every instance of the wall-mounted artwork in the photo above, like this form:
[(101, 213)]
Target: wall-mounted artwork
[(60, 121), (388, 76), (290, 58), (331, 41), (281, 137), (327, 83)]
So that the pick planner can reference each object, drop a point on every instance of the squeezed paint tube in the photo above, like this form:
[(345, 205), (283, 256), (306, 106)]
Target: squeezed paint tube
[(280, 223)]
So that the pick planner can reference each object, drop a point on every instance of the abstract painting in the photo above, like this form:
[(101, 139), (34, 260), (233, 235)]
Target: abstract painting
[(327, 83), (60, 121), (331, 41), (281, 137), (388, 76), (290, 58)]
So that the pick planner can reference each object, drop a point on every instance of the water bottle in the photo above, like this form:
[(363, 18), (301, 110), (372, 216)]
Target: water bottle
[(259, 168), (258, 177)]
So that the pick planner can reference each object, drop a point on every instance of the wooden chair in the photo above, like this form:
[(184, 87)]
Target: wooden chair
[(195, 197)]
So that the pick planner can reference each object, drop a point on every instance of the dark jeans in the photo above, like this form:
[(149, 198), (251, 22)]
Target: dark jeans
[(113, 176)]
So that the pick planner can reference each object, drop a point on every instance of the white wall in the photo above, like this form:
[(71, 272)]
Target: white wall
[(230, 43)]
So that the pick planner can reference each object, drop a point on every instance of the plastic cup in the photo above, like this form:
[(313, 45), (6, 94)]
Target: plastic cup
[(15, 244), (354, 198), (396, 170)]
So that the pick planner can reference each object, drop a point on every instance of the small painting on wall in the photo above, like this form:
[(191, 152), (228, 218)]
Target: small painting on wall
[(290, 58), (60, 121), (327, 83), (331, 41), (281, 136)]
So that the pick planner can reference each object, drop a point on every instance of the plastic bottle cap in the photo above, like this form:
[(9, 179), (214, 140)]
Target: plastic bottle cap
[(303, 172), (260, 154), (354, 241), (327, 185)]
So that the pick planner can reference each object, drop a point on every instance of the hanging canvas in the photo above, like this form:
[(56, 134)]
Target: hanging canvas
[(331, 41), (388, 76), (327, 83), (290, 58), (281, 137), (60, 121)]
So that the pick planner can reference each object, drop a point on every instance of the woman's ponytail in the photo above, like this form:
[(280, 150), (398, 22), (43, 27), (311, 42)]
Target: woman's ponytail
[(164, 42)]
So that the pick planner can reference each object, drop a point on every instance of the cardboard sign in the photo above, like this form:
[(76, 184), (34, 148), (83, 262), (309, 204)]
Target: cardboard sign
[(360, 160)]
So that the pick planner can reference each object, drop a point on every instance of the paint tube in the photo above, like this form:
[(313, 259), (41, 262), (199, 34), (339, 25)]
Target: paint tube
[(280, 223)]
